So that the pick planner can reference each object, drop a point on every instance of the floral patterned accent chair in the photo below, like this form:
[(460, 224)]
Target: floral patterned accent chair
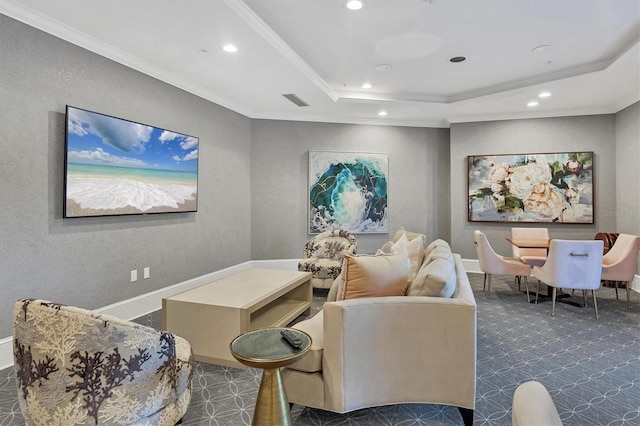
[(323, 254), (78, 367)]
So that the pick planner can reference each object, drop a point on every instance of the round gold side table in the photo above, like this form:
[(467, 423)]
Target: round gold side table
[(265, 348)]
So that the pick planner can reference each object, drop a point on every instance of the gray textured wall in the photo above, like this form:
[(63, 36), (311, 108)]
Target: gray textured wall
[(418, 180), (585, 133), (86, 262), (627, 209), (253, 178)]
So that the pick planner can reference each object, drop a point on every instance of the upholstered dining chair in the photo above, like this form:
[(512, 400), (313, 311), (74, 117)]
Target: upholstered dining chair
[(572, 264), (492, 263), (620, 263), (530, 256)]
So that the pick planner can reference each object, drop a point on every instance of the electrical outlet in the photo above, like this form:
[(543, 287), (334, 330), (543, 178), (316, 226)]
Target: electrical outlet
[(134, 275), (147, 272)]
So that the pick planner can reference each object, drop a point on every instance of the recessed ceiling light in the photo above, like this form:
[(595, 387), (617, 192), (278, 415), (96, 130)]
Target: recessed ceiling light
[(541, 49), (354, 4), (383, 67), (366, 86), (532, 104), (382, 113), (544, 94), (457, 59), (230, 48)]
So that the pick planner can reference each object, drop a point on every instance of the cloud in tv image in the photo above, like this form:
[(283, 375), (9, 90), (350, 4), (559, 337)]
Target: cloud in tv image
[(116, 167)]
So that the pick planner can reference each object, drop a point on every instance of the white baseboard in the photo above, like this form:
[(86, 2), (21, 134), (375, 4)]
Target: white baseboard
[(151, 302), (472, 266), (6, 352)]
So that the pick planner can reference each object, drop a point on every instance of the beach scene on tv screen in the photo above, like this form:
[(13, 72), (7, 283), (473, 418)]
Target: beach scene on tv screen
[(115, 166)]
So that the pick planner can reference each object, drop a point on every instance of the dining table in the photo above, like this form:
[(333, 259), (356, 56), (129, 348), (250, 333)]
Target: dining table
[(536, 243)]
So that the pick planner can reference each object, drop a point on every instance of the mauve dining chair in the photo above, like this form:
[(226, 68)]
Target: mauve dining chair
[(620, 263), (530, 256), (492, 263)]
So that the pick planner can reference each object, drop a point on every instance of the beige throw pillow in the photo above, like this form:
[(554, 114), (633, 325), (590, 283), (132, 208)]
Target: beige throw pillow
[(373, 276), (415, 251), (410, 235), (386, 247)]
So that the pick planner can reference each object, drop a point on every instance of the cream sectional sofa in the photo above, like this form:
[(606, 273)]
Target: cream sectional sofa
[(377, 351)]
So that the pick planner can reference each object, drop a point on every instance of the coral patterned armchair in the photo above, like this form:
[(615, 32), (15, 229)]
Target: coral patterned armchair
[(78, 367), (323, 255)]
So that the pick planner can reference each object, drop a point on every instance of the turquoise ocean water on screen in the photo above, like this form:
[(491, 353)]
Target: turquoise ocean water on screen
[(85, 170)]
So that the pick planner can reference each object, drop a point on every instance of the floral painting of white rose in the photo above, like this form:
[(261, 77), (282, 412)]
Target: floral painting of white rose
[(548, 187)]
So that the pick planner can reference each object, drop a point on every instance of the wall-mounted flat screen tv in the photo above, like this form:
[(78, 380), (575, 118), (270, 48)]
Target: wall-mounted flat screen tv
[(119, 167)]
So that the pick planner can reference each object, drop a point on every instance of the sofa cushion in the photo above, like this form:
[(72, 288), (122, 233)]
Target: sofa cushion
[(437, 253), (386, 247), (436, 277), (435, 244), (332, 296), (414, 249), (312, 360), (373, 276), (410, 235)]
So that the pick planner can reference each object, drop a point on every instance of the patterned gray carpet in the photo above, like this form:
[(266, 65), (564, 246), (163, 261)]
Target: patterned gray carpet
[(590, 367)]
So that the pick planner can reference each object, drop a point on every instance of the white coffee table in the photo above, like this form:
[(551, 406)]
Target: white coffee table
[(212, 315)]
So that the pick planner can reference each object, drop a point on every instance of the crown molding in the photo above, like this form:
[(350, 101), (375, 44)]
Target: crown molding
[(30, 17), (630, 100), (531, 115), (632, 53), (321, 118), (260, 27), (78, 38), (528, 82), (610, 66), (377, 98)]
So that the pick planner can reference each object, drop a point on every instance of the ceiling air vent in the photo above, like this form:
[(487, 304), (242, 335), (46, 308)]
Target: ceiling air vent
[(296, 100)]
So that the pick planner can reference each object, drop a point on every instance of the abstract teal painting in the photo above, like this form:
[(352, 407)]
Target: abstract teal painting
[(348, 190)]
